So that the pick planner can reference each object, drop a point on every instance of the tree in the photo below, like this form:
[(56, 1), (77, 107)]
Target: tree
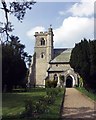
[(92, 46), (83, 61), (14, 68)]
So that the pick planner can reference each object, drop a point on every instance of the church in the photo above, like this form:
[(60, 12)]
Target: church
[(49, 63)]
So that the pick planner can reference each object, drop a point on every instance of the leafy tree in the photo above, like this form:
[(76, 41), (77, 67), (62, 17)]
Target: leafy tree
[(83, 61), (14, 70), (92, 45), (13, 66)]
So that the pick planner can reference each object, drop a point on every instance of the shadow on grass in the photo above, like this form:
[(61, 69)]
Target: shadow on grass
[(14, 99)]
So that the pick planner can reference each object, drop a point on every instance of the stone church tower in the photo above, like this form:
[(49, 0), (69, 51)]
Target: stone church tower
[(43, 53)]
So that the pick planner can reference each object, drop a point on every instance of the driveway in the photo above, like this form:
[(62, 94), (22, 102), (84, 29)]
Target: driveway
[(78, 106)]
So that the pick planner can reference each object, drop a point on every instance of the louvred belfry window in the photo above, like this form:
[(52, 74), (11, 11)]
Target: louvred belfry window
[(42, 41)]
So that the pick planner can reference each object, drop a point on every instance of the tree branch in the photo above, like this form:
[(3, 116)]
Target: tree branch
[(6, 16)]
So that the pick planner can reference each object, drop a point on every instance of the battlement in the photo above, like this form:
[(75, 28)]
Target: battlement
[(41, 33)]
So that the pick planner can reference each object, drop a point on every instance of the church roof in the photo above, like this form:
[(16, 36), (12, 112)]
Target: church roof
[(61, 55), (58, 68)]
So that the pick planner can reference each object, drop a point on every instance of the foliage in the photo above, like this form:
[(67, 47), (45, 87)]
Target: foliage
[(13, 56), (62, 80), (14, 69), (35, 109), (50, 83), (80, 82), (83, 60), (18, 9), (53, 92), (49, 99), (29, 108)]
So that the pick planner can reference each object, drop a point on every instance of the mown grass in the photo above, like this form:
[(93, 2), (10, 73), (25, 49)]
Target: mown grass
[(13, 104), (87, 93)]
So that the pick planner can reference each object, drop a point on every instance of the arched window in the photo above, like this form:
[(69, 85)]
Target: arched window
[(55, 77), (42, 55), (42, 41)]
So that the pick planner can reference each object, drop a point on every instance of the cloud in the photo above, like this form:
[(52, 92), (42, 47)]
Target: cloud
[(80, 25), (92, 1), (82, 9), (73, 30), (32, 31)]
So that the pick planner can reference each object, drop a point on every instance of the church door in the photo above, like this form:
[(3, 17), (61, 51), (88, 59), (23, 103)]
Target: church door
[(69, 82)]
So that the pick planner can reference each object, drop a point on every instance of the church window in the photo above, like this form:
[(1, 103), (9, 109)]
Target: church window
[(42, 55), (55, 77), (42, 41)]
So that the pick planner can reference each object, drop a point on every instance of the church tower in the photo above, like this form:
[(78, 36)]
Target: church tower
[(43, 54)]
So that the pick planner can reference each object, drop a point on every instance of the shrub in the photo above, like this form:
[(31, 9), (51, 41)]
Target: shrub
[(29, 108), (40, 107), (49, 99), (61, 77), (76, 85), (52, 92), (49, 83), (54, 83), (35, 109)]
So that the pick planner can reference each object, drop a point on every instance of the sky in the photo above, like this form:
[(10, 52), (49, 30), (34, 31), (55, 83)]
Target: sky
[(71, 21)]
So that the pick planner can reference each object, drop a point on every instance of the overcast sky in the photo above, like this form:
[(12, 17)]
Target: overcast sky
[(71, 22)]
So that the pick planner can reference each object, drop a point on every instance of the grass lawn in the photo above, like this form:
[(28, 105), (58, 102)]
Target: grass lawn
[(13, 104), (89, 94)]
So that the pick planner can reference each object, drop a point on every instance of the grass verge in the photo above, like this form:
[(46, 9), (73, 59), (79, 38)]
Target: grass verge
[(13, 104), (87, 93)]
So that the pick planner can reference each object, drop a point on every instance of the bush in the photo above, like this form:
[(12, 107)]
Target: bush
[(34, 109), (29, 108), (52, 92), (49, 99), (76, 85), (49, 83), (40, 107), (54, 83)]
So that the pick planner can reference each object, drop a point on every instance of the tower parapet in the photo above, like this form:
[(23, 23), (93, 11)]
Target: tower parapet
[(41, 33)]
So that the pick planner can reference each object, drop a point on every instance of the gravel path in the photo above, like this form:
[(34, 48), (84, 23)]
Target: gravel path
[(77, 106)]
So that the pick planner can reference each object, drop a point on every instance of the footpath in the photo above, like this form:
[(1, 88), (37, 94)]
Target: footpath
[(78, 106)]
